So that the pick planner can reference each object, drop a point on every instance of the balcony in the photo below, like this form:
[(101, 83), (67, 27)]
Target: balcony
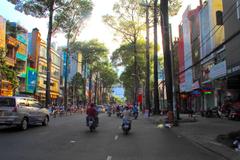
[(10, 61)]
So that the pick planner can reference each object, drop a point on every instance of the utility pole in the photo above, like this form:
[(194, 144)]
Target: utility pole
[(166, 52), (156, 98)]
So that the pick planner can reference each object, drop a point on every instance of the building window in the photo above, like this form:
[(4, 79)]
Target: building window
[(43, 52)]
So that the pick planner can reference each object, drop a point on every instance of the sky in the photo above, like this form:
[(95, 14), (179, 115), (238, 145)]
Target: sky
[(95, 28)]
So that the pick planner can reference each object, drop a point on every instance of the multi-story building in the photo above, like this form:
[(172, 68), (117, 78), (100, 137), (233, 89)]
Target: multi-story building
[(202, 56), (15, 37), (42, 73), (6, 88), (211, 53), (231, 18)]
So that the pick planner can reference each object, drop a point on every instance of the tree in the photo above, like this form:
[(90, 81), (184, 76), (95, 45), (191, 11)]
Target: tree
[(93, 53), (128, 23), (7, 73), (69, 19), (107, 78), (166, 47), (124, 56), (76, 84)]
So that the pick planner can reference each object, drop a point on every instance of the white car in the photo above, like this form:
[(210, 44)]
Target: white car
[(22, 111)]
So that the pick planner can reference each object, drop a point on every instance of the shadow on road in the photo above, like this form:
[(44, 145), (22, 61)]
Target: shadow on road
[(11, 129)]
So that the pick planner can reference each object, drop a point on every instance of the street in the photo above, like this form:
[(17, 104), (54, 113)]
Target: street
[(68, 138)]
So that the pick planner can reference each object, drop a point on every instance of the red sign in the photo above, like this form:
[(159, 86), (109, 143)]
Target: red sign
[(140, 98)]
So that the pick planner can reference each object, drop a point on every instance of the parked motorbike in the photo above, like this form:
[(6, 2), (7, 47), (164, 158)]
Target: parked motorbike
[(213, 112), (126, 126), (235, 112)]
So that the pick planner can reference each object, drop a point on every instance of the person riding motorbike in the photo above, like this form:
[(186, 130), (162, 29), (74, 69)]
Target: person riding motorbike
[(126, 116), (135, 111), (92, 113)]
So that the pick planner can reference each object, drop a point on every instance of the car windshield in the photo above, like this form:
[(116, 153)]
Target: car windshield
[(7, 102)]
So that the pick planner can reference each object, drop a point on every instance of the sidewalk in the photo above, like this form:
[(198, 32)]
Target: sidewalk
[(204, 131)]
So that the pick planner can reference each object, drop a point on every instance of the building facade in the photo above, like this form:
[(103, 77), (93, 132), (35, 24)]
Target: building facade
[(201, 57), (231, 16), (42, 74)]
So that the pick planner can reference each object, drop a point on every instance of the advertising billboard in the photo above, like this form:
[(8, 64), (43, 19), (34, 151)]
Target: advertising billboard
[(2, 32), (31, 81)]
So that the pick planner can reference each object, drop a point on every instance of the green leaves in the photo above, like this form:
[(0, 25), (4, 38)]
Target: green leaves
[(70, 17), (6, 72), (127, 21)]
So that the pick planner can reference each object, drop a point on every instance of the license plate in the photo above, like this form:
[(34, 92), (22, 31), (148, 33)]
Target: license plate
[(90, 122), (126, 126)]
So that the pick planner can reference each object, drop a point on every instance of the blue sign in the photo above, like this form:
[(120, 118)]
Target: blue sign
[(31, 80)]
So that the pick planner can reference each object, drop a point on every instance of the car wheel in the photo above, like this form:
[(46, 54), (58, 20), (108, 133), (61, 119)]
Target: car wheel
[(24, 124), (45, 121)]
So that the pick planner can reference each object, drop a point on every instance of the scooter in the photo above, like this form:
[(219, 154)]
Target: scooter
[(135, 114), (109, 113), (126, 126)]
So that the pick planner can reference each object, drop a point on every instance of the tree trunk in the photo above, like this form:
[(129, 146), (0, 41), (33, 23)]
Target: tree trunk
[(166, 52), (147, 89), (90, 88), (135, 71), (95, 90), (49, 59), (84, 84), (156, 98)]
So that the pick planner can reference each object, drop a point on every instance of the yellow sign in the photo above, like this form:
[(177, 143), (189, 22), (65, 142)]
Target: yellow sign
[(2, 32), (12, 41), (22, 48)]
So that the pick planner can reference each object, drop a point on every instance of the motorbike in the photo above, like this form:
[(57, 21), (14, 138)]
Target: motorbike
[(92, 124), (126, 126), (234, 114), (135, 115), (213, 112), (109, 113), (118, 113)]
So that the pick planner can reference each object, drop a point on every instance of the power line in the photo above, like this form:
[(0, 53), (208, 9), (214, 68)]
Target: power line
[(218, 47)]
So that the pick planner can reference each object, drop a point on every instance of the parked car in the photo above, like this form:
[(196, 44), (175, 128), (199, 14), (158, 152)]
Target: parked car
[(22, 112)]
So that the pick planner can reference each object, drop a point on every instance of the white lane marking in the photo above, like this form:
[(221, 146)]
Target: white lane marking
[(216, 143), (116, 137), (72, 141), (109, 157)]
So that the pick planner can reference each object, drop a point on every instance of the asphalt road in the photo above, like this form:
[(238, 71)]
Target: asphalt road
[(67, 138)]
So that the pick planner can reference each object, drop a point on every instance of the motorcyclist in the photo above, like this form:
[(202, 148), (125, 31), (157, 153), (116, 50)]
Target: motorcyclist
[(108, 108), (92, 113), (126, 115), (135, 109)]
